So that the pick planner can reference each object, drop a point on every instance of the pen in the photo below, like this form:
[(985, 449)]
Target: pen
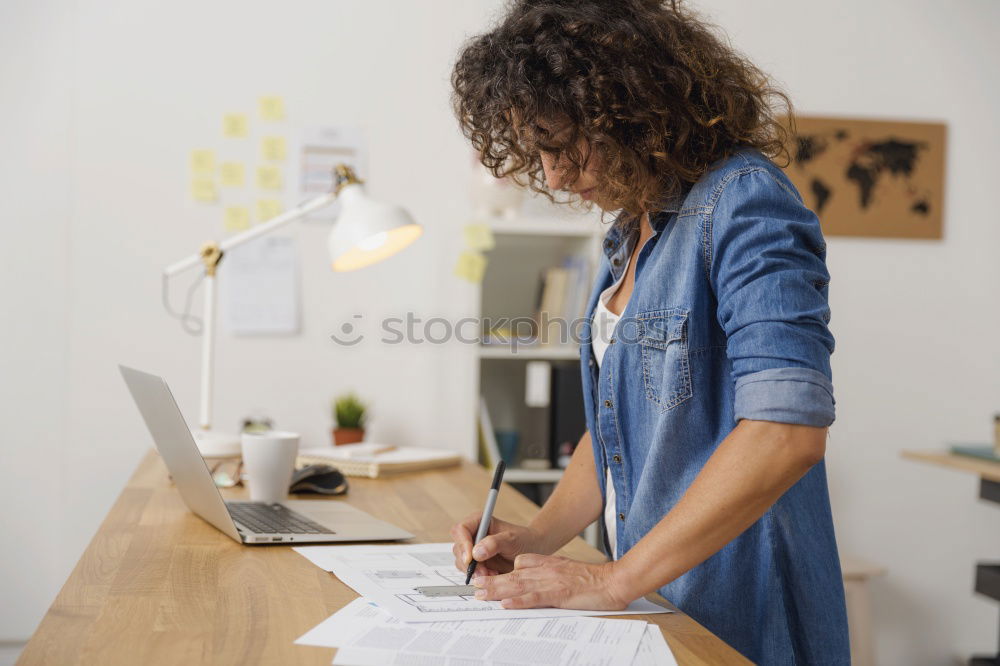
[(484, 522)]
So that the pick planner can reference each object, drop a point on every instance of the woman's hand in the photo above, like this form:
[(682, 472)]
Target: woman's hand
[(548, 581), (496, 552)]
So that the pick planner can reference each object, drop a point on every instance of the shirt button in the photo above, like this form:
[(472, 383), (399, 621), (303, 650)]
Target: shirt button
[(621, 516), (611, 341), (617, 458), (617, 261), (607, 403), (590, 362)]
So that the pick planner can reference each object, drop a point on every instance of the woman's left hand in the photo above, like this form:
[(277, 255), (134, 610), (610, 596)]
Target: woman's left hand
[(541, 581)]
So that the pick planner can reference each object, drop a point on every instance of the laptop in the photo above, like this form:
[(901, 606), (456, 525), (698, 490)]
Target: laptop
[(291, 521)]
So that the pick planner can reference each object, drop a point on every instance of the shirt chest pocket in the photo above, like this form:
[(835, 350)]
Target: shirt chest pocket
[(666, 372)]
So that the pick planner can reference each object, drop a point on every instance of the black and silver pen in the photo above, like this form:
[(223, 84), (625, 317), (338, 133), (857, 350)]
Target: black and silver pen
[(484, 522)]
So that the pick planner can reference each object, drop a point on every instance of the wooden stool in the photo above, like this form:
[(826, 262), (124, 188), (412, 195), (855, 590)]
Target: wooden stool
[(857, 572)]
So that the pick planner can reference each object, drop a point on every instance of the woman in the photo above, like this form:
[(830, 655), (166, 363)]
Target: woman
[(706, 354)]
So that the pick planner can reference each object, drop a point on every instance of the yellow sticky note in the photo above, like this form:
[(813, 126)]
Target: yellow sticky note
[(272, 108), (203, 190), (231, 174), (202, 161), (273, 148), (471, 266), (235, 125), (269, 178), (479, 237), (267, 209), (237, 218)]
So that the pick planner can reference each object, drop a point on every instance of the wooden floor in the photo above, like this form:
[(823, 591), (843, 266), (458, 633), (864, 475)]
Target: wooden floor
[(159, 586)]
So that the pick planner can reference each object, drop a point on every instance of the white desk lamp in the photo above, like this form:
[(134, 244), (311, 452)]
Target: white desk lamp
[(365, 232)]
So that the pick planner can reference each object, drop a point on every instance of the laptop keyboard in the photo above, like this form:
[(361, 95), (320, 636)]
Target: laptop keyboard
[(273, 519)]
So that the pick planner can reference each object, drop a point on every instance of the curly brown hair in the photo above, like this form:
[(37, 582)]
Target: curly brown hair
[(645, 83)]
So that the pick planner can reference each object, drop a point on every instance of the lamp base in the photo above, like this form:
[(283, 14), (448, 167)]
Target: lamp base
[(215, 444)]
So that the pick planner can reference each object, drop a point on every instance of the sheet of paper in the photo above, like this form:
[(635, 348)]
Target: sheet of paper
[(471, 266), (366, 634), (387, 576), (479, 236), (271, 107), (231, 174), (260, 287), (203, 190), (653, 649), (269, 178), (322, 149), (203, 162), (273, 148), (236, 218), (235, 125), (268, 208)]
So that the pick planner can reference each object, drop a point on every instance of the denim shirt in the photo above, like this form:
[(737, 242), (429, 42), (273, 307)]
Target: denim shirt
[(727, 321)]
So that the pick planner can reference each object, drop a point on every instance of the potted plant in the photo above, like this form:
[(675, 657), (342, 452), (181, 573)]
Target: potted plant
[(349, 414)]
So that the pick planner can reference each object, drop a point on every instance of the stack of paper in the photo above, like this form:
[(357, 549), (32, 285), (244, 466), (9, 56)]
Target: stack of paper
[(394, 623), (371, 461)]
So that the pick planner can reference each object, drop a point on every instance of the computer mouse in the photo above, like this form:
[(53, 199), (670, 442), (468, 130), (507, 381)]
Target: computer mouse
[(321, 479)]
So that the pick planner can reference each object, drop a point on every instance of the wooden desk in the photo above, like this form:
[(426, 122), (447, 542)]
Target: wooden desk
[(987, 580), (157, 585)]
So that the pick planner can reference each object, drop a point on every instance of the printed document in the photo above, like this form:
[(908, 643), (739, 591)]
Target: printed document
[(388, 576), (366, 635)]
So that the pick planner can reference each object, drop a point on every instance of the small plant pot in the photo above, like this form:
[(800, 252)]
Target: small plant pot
[(348, 436)]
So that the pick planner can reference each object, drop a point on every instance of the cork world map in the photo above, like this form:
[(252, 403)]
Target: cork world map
[(870, 178)]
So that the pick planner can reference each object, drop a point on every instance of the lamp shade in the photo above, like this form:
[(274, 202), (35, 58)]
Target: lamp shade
[(367, 231)]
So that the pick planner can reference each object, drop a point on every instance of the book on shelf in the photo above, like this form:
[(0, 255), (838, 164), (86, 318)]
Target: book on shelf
[(364, 460), (562, 296)]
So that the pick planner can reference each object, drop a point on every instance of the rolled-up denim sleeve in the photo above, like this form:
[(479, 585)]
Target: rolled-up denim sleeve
[(768, 270)]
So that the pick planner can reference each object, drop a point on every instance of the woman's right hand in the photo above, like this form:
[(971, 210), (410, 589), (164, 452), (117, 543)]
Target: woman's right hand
[(496, 552)]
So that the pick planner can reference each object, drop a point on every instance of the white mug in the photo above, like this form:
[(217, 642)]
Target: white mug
[(268, 463)]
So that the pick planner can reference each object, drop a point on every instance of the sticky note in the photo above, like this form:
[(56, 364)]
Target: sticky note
[(471, 266), (479, 237), (237, 218), (268, 208), (235, 125), (273, 148), (203, 190), (202, 161), (272, 108), (231, 174), (269, 178)]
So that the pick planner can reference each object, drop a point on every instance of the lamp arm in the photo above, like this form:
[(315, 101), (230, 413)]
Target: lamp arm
[(296, 213)]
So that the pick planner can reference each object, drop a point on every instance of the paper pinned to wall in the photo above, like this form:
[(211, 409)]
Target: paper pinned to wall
[(271, 107), (269, 178), (471, 266), (202, 161), (273, 148), (323, 148), (236, 218), (235, 125), (231, 174), (203, 190), (260, 287), (268, 208), (479, 237)]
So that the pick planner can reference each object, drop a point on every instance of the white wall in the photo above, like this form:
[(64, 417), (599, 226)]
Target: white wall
[(35, 124), (103, 101)]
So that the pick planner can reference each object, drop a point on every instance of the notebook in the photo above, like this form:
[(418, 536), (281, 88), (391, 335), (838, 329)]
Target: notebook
[(361, 460)]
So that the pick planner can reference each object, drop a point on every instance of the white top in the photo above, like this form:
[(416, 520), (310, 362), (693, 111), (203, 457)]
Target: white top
[(602, 328)]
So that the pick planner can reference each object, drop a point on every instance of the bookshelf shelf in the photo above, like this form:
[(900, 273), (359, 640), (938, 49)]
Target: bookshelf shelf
[(518, 475), (572, 227), (553, 353)]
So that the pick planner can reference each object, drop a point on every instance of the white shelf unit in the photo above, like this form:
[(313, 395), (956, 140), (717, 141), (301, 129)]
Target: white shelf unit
[(525, 248), (552, 353)]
